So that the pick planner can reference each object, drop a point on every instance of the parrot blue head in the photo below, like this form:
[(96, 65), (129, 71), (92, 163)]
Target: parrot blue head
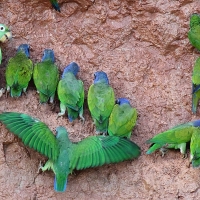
[(48, 55), (196, 123), (100, 77), (24, 48), (72, 67), (121, 101)]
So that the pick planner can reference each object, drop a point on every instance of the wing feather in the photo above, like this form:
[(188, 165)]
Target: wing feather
[(33, 133)]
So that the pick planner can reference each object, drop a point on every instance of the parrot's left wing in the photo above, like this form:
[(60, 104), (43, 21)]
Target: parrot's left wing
[(98, 150)]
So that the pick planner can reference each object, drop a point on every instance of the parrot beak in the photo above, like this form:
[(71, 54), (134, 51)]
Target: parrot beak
[(6, 36)]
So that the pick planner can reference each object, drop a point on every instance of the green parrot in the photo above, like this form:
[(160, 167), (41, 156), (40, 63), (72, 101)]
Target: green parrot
[(64, 155), (55, 5), (176, 138), (194, 32), (46, 77), (122, 119), (71, 93), (19, 71), (195, 148), (196, 85), (5, 34), (101, 100)]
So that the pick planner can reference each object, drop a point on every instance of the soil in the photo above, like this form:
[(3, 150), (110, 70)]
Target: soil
[(143, 47)]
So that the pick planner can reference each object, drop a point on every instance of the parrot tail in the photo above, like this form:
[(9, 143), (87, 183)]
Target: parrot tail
[(55, 5), (60, 183), (72, 114), (195, 101), (15, 92), (153, 148), (43, 97), (196, 163)]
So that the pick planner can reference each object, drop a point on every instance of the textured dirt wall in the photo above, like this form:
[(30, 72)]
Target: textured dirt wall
[(143, 47)]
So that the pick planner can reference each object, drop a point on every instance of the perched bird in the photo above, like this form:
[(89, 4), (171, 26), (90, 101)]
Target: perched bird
[(195, 148), (194, 32), (196, 85), (55, 5), (122, 119), (64, 155), (5, 34), (101, 100), (176, 138), (46, 77), (71, 93), (19, 71)]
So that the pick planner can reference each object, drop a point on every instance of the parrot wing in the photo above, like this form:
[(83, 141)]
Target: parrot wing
[(71, 91), (19, 70), (55, 5), (95, 151), (33, 133), (178, 134), (195, 148), (101, 100), (46, 77), (122, 119)]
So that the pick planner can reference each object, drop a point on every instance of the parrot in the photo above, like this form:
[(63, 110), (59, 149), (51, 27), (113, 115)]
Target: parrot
[(65, 156), (101, 100), (19, 71), (195, 148), (71, 93), (5, 34), (194, 32), (176, 138), (122, 119), (55, 5), (46, 76), (196, 85)]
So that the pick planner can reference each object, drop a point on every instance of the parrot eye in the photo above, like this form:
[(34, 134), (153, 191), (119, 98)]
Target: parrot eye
[(2, 28)]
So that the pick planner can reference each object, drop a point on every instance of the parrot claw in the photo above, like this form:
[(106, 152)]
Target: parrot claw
[(2, 91), (82, 119), (184, 156), (39, 167), (60, 114), (163, 151)]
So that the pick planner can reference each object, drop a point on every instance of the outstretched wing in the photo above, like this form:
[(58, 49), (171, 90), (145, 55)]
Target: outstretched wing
[(95, 151), (33, 133)]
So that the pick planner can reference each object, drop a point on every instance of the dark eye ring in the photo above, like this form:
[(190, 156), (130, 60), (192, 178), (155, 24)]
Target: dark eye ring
[(2, 28)]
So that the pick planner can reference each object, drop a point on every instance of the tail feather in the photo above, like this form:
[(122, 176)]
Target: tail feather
[(195, 101), (153, 148), (196, 163), (60, 184), (55, 5)]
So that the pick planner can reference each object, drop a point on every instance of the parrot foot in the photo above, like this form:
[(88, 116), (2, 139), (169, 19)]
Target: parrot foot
[(184, 156), (82, 119), (39, 167), (2, 91), (163, 151), (60, 114)]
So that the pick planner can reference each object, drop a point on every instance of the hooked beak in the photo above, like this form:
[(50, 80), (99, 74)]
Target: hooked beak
[(6, 36)]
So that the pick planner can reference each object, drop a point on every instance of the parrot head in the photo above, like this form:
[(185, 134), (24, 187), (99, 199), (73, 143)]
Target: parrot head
[(122, 101), (72, 67), (25, 49), (196, 123), (5, 33), (101, 77), (48, 55)]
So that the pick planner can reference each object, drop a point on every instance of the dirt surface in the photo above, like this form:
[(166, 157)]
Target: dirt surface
[(144, 49)]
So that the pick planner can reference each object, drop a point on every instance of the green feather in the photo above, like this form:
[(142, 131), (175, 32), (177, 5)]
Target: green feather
[(172, 138), (71, 95), (18, 73), (46, 76), (122, 120), (101, 100), (194, 32), (195, 149), (32, 130)]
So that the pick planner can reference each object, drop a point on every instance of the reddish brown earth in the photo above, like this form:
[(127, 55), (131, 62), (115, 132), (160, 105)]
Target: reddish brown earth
[(143, 47)]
